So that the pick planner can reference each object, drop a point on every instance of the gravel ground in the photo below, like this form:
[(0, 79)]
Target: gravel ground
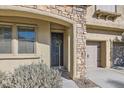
[(85, 83)]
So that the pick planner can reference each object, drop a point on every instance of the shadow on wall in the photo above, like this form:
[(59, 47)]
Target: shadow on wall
[(117, 84)]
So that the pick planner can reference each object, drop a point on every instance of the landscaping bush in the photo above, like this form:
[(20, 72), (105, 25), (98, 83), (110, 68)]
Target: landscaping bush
[(33, 76), (2, 76)]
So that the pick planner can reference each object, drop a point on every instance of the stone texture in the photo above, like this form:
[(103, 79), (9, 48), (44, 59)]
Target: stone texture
[(76, 13)]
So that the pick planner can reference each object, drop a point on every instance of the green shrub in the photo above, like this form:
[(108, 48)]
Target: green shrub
[(33, 76)]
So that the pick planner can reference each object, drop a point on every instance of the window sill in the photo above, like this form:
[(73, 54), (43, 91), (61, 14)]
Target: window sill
[(20, 56), (107, 15)]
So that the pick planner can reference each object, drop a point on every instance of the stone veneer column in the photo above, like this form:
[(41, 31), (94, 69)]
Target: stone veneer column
[(80, 51)]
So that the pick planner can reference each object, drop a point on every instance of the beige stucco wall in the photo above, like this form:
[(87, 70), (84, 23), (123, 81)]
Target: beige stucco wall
[(102, 35), (43, 43), (43, 35), (9, 61), (116, 24), (10, 64)]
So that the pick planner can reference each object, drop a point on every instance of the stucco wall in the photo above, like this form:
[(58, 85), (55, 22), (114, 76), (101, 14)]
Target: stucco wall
[(117, 23), (103, 35), (10, 64), (42, 44)]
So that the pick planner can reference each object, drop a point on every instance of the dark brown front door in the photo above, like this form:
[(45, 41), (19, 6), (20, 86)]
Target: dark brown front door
[(56, 49)]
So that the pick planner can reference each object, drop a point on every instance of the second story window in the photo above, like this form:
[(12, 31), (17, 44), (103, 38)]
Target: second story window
[(108, 8)]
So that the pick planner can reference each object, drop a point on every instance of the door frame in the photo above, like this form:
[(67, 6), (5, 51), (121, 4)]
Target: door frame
[(67, 47)]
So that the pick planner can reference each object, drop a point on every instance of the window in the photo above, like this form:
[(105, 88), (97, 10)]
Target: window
[(5, 39), (109, 8), (26, 39)]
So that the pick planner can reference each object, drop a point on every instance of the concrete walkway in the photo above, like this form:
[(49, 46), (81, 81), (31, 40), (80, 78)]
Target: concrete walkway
[(69, 83), (106, 78)]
